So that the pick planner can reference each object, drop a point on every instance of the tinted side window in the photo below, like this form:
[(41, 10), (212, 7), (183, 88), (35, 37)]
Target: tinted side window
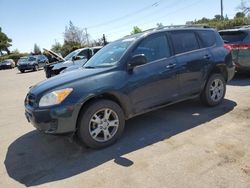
[(96, 50), (84, 53), (207, 38), (184, 41), (154, 48)]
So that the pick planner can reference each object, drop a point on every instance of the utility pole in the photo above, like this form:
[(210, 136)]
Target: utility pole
[(87, 36), (221, 9)]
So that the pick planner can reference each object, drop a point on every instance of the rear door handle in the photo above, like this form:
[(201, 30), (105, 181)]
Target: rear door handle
[(170, 66), (207, 56)]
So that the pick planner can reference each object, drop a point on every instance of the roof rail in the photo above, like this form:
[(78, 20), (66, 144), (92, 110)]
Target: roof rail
[(178, 26), (242, 26)]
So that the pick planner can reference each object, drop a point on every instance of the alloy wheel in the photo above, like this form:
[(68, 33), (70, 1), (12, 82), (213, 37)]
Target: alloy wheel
[(216, 90), (103, 125)]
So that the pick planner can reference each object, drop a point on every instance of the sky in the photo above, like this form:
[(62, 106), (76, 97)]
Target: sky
[(43, 22)]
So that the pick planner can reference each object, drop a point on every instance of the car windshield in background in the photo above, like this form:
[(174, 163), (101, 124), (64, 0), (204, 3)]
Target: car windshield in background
[(70, 55), (23, 59), (233, 36), (110, 54), (31, 59)]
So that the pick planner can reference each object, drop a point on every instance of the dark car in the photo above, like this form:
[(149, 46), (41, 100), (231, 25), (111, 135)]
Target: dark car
[(128, 77), (239, 40), (7, 64), (76, 58), (32, 63)]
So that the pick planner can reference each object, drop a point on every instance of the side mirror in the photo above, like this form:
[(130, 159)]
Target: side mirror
[(137, 60)]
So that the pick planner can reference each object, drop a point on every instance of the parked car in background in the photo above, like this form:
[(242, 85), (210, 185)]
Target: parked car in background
[(76, 58), (128, 77), (33, 62), (7, 64), (239, 40)]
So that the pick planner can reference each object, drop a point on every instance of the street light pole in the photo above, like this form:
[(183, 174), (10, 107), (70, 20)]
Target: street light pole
[(221, 9), (87, 36)]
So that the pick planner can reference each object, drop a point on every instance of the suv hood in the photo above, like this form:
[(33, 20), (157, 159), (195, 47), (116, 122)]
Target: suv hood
[(54, 54), (62, 80), (63, 64)]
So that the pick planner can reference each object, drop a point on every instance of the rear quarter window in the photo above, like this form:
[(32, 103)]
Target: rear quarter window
[(184, 41), (207, 38)]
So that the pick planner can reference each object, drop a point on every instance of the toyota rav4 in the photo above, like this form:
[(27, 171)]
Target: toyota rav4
[(128, 77)]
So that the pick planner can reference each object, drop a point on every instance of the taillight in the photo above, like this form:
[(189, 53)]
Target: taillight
[(228, 47), (239, 46)]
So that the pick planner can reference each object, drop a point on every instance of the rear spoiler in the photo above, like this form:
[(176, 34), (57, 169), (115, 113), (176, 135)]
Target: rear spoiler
[(54, 54)]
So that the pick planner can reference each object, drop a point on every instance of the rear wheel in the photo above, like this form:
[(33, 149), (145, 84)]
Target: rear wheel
[(101, 124), (214, 91)]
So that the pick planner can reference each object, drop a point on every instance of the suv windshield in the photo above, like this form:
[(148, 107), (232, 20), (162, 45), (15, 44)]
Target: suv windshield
[(70, 55), (22, 59), (31, 59), (233, 36), (110, 54)]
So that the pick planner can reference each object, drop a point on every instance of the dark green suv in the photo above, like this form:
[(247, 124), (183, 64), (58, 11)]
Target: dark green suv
[(128, 77), (239, 41)]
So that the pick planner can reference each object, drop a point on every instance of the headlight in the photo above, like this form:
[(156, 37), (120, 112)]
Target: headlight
[(54, 97)]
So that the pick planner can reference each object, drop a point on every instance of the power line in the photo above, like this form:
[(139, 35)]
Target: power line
[(162, 16), (125, 25), (127, 15)]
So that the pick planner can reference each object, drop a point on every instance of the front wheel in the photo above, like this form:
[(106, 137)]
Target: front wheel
[(36, 68), (101, 124), (214, 91)]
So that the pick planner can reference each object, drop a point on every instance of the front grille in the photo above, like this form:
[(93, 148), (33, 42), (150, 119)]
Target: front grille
[(30, 100)]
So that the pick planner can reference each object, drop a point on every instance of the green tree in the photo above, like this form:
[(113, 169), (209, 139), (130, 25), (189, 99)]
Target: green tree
[(136, 29), (217, 17), (74, 34), (159, 25), (57, 47), (36, 50), (5, 42), (240, 15), (243, 7)]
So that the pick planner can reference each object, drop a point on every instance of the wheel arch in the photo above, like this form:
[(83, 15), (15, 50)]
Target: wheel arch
[(220, 69), (108, 96)]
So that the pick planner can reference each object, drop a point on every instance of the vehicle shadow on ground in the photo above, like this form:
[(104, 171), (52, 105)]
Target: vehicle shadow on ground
[(28, 71), (35, 158), (240, 80)]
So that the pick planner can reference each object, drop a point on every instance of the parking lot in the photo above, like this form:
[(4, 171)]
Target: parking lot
[(184, 145)]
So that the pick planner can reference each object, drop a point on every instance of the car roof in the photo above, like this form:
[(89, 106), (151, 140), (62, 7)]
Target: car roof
[(164, 29), (96, 47)]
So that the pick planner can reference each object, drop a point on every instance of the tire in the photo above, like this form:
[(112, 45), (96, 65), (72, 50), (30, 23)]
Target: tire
[(94, 129), (36, 68), (214, 91), (22, 71)]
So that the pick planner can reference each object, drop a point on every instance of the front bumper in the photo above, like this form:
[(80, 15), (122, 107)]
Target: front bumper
[(242, 68), (53, 120), (25, 67), (5, 66)]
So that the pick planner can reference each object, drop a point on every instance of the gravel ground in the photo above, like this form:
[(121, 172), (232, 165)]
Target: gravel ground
[(184, 145)]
